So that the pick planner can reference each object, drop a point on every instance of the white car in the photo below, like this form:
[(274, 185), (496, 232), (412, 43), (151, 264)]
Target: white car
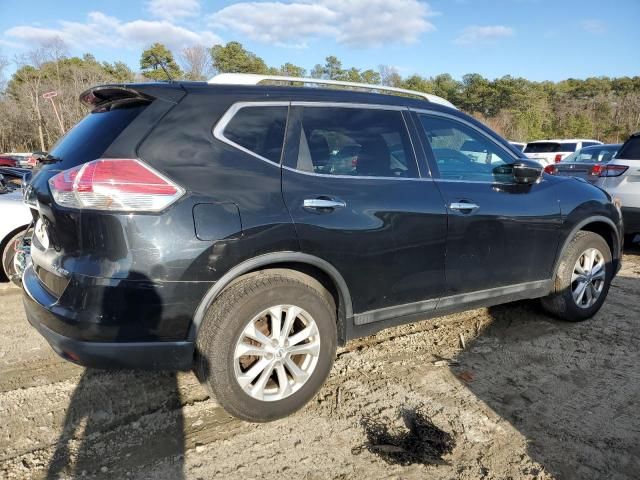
[(16, 217), (519, 145), (548, 152), (621, 178)]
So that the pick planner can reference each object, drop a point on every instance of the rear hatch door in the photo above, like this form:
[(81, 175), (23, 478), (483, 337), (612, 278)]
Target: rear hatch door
[(120, 119)]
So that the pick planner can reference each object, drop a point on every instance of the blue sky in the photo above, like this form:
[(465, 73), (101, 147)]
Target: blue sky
[(535, 39)]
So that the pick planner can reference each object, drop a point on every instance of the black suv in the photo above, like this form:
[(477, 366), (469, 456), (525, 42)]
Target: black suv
[(245, 231)]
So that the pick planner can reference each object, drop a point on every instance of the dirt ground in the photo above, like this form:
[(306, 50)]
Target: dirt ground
[(526, 397)]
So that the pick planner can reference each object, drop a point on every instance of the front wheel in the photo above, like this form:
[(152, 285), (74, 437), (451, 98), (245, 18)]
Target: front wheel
[(582, 280), (267, 344)]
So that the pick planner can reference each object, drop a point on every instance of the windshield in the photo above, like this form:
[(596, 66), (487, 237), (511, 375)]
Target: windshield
[(550, 147)]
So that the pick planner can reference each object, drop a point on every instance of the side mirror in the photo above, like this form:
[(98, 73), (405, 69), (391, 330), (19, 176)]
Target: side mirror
[(521, 172), (526, 172)]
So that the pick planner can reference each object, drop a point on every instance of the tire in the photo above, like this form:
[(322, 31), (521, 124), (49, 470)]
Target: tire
[(226, 322), (8, 252), (561, 303)]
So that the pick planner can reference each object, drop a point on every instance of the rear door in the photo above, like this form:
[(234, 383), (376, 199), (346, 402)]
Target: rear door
[(351, 183), (499, 233)]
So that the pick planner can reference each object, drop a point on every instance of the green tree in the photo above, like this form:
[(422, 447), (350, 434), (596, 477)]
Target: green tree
[(418, 83), (152, 60), (477, 94), (119, 71), (291, 70), (371, 76), (233, 58), (331, 70)]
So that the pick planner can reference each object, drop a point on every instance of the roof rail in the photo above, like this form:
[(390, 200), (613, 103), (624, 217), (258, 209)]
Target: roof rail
[(255, 79)]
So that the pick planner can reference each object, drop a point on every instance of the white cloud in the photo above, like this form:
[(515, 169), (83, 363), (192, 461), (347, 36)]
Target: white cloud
[(172, 9), (36, 34), (596, 27), (355, 22), (106, 31), (483, 34)]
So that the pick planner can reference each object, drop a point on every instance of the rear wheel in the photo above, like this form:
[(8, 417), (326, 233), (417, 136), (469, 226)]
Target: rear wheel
[(267, 344), (583, 279)]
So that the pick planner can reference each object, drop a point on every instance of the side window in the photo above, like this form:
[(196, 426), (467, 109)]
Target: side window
[(355, 141), (463, 153), (259, 130)]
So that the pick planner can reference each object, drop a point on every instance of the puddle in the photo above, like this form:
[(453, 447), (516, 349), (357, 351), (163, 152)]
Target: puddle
[(418, 442)]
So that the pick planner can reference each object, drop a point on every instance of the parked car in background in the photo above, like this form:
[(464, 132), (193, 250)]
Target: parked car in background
[(519, 145), (621, 178), (7, 161), (34, 159), (586, 163), (200, 225), (15, 217), (21, 158), (548, 152)]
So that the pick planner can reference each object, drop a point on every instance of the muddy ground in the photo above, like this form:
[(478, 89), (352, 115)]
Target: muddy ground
[(526, 397)]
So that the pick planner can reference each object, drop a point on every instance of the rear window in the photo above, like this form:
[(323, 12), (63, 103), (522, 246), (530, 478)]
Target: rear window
[(592, 155), (550, 147), (630, 150), (91, 137)]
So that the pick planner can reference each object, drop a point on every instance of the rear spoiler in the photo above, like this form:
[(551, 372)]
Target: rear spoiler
[(100, 96), (107, 95)]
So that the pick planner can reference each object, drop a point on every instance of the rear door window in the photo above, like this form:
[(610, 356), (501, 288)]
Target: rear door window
[(258, 130), (360, 142), (630, 150), (91, 137)]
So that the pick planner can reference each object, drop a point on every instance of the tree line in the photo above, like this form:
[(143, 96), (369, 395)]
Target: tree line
[(603, 108)]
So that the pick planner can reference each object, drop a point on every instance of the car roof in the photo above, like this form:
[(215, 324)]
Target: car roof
[(566, 140)]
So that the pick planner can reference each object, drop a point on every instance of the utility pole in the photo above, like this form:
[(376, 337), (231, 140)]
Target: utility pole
[(49, 96)]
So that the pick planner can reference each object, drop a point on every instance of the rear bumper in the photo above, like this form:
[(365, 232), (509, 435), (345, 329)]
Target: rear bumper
[(631, 217), (43, 315)]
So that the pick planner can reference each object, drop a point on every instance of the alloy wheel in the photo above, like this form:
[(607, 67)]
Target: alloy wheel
[(276, 353), (588, 278)]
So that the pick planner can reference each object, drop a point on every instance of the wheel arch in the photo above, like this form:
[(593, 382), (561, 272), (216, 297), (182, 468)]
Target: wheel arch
[(600, 225), (313, 266)]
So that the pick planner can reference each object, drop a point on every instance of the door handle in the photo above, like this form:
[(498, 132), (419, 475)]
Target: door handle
[(323, 203), (462, 206)]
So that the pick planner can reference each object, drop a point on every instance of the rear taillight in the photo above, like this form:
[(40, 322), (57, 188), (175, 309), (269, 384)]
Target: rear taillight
[(596, 170), (558, 158), (114, 184), (551, 169), (612, 170)]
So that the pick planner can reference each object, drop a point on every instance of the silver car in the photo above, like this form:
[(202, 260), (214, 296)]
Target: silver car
[(586, 163)]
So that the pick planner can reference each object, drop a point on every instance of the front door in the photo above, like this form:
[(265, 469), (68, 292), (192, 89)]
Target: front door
[(500, 233), (351, 183)]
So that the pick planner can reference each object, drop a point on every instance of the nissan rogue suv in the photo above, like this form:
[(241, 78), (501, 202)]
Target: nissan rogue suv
[(246, 230)]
